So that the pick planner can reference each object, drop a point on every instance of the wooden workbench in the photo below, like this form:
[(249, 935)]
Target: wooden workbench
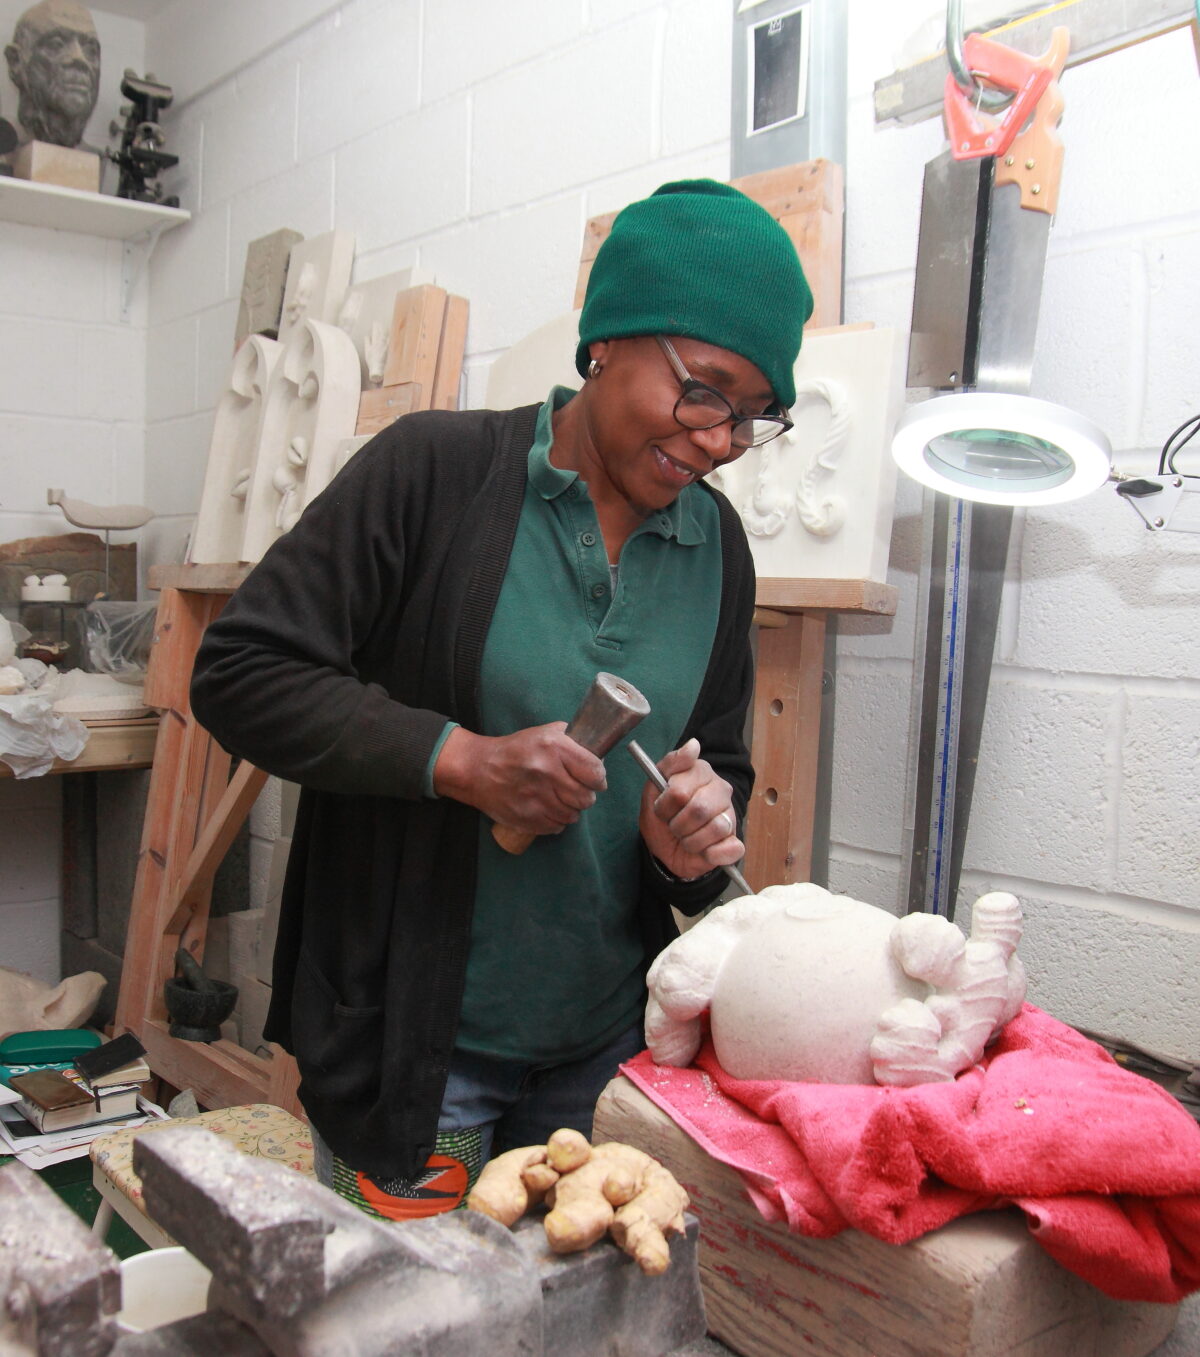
[(111, 747)]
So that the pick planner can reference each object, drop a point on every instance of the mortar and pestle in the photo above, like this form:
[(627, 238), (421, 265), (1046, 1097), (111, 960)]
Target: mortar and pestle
[(196, 1004)]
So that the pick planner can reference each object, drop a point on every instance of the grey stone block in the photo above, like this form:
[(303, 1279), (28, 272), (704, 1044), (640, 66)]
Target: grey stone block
[(89, 954), (270, 922), (79, 855), (306, 1270), (209, 1335), (312, 1275), (251, 1012), (216, 949), (244, 929), (601, 1301), (61, 1287), (231, 883), (120, 811)]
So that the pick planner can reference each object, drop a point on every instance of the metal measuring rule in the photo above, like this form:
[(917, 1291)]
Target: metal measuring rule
[(650, 768)]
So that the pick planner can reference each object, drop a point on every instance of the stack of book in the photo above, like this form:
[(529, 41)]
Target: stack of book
[(53, 1113)]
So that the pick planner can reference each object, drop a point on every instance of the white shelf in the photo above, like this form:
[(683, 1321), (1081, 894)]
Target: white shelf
[(72, 209)]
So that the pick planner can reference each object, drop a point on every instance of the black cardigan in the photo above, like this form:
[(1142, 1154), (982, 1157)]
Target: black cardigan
[(336, 665)]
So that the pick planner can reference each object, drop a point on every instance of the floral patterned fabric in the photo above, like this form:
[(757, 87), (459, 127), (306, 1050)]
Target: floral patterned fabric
[(256, 1129)]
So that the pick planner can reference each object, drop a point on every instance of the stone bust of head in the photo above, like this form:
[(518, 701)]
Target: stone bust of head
[(54, 61)]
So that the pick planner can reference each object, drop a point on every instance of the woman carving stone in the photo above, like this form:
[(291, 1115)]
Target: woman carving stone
[(408, 654)]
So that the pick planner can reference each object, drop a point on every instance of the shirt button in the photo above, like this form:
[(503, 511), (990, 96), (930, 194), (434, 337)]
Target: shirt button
[(572, 492), (598, 591), (588, 539)]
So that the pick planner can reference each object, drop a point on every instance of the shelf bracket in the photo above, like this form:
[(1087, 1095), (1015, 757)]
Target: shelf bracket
[(135, 256)]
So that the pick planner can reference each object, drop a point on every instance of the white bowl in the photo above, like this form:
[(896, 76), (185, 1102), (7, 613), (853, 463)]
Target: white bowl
[(160, 1286)]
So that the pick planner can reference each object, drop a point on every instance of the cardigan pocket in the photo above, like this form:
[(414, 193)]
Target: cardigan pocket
[(338, 1046)]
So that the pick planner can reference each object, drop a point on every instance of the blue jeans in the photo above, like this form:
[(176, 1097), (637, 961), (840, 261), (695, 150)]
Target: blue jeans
[(509, 1103), (517, 1104)]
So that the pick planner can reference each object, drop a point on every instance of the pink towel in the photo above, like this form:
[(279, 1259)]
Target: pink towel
[(1104, 1163)]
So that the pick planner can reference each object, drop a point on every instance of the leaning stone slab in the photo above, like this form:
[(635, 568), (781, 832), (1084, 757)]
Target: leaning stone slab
[(600, 1301)]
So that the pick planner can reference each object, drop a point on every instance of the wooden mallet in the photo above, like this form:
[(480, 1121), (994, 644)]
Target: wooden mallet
[(609, 711)]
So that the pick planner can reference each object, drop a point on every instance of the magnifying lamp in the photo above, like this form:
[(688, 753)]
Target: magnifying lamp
[(998, 448)]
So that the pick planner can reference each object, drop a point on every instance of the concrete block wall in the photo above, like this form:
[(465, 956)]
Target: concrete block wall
[(1089, 770)]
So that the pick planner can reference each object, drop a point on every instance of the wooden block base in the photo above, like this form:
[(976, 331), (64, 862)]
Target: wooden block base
[(978, 1287), (41, 162)]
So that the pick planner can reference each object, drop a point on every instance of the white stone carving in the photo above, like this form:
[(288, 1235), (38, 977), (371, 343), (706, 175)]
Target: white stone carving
[(366, 316), (310, 406), (221, 522), (817, 502), (317, 279), (800, 984)]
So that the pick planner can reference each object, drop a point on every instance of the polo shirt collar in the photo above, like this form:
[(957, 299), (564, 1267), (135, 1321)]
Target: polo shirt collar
[(676, 520)]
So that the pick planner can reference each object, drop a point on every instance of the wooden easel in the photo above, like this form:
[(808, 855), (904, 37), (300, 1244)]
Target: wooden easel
[(196, 808), (808, 202), (193, 813)]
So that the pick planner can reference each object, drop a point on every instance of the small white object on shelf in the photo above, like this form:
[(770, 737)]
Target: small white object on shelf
[(45, 589)]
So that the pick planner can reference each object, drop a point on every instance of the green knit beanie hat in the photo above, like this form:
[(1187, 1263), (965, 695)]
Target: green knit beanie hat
[(702, 260)]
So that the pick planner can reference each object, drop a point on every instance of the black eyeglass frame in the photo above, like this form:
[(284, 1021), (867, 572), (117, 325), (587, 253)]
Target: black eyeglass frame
[(690, 384)]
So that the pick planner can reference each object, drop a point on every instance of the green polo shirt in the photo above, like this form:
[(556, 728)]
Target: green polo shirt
[(555, 967)]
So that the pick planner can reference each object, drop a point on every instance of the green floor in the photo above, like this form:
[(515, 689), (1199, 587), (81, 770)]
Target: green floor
[(72, 1181)]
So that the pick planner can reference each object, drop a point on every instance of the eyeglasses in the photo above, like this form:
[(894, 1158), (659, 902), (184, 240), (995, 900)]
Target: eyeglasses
[(703, 407)]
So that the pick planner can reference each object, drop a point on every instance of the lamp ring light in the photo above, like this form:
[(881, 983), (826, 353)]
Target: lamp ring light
[(998, 448)]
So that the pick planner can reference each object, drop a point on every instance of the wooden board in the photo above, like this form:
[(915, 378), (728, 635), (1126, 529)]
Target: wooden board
[(806, 199), (835, 596), (978, 1287)]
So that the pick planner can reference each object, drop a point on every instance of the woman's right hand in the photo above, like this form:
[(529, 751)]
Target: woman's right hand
[(537, 780)]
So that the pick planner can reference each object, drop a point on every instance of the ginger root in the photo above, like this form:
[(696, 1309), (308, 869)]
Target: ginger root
[(590, 1190), (511, 1183)]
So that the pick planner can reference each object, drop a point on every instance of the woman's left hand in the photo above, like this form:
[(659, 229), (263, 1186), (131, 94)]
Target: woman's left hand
[(691, 826)]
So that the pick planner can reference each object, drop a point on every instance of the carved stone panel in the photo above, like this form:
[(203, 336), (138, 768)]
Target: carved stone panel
[(221, 522), (366, 316), (311, 405), (317, 279), (817, 502), (263, 283)]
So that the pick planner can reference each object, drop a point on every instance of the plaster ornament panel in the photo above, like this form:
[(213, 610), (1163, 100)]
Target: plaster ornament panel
[(366, 316), (311, 405), (221, 521), (534, 364), (264, 280), (317, 278), (799, 984), (817, 502)]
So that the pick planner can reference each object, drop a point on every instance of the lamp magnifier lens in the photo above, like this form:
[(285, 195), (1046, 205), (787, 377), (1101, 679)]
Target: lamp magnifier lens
[(971, 456)]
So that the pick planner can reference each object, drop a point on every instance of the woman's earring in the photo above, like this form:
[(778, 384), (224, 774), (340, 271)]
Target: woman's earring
[(594, 369)]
